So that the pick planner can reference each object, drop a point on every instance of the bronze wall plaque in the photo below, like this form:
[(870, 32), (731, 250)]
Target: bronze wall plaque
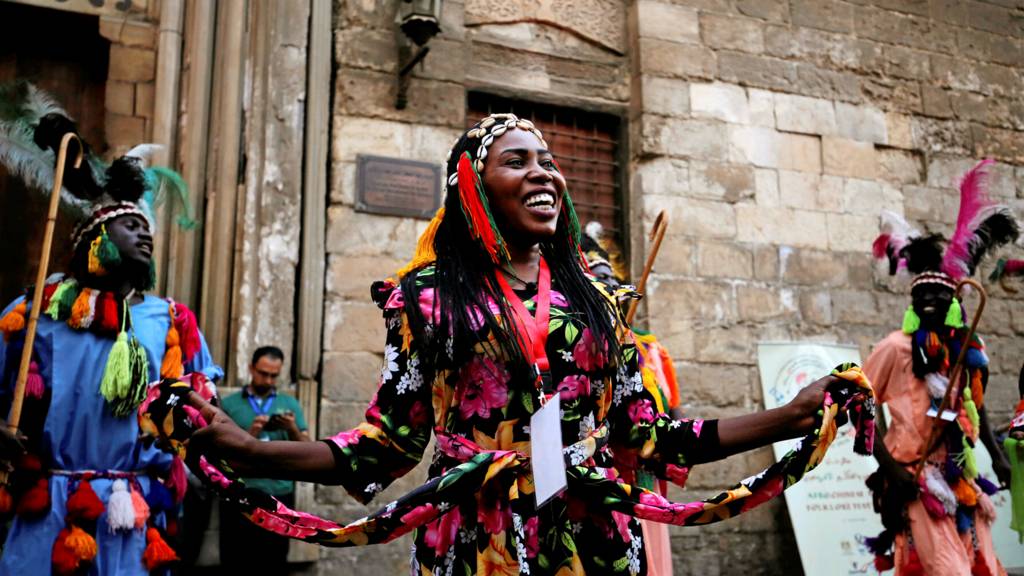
[(397, 187)]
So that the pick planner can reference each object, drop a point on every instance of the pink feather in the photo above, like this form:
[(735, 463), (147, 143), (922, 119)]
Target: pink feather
[(975, 206), (188, 331)]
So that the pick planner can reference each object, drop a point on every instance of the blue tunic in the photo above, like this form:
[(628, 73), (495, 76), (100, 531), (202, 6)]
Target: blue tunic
[(81, 434)]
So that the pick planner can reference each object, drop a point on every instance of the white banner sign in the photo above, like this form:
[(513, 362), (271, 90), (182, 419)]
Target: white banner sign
[(831, 508)]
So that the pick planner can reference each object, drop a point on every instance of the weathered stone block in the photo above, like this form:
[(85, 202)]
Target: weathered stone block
[(898, 130), (732, 33), (366, 48), (754, 145), (353, 327), (351, 376), (893, 94), (770, 10), (999, 143), (844, 157), (941, 136), (690, 216), (761, 304), (804, 115), (929, 204), (821, 83), (728, 182), (144, 95), (904, 29), (756, 71), (864, 123), (813, 267), (780, 225), (730, 345), (128, 33), (664, 176), (355, 234), (761, 105), (823, 14), (990, 47), (900, 166), (666, 21), (869, 196), (685, 138), (726, 102), (936, 102), (800, 152), (851, 232), (719, 384), (946, 172), (355, 135), (766, 263), (350, 277), (816, 307), (818, 47), (691, 300), (675, 60), (666, 96), (372, 94), (120, 98), (123, 131), (799, 189), (676, 255), (766, 188), (721, 260), (130, 64)]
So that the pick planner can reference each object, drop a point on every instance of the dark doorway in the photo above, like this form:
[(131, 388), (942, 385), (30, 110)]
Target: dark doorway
[(63, 54)]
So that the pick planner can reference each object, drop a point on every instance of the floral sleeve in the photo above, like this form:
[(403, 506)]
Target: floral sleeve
[(391, 440), (644, 440)]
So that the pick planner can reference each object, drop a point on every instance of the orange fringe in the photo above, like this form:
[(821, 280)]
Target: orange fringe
[(172, 366), (424, 246), (14, 321), (80, 310)]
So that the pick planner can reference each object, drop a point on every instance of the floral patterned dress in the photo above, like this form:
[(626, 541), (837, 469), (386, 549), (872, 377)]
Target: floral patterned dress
[(478, 404)]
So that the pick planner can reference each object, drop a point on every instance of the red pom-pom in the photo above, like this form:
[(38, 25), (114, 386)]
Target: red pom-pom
[(64, 560), (6, 501), (106, 313), (48, 291), (84, 504), (35, 501), (157, 553), (883, 563), (29, 463), (913, 566), (188, 331)]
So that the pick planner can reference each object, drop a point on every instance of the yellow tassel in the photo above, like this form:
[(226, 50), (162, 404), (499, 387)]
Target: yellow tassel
[(424, 246), (81, 544), (80, 310), (14, 321), (94, 257)]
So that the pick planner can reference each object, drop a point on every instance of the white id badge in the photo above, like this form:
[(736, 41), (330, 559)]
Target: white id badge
[(546, 447)]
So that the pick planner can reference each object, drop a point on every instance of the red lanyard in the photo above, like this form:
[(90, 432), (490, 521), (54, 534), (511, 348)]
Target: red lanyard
[(533, 330)]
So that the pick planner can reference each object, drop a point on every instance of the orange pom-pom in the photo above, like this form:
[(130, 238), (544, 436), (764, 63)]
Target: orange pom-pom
[(965, 494), (35, 501), (6, 501), (63, 559), (14, 321), (84, 503), (141, 508), (157, 553), (81, 310), (81, 544)]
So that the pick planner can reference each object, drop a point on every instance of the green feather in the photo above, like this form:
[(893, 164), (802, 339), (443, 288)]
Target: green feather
[(160, 177)]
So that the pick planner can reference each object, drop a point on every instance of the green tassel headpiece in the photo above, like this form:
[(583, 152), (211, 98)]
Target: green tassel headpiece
[(955, 316), (911, 321)]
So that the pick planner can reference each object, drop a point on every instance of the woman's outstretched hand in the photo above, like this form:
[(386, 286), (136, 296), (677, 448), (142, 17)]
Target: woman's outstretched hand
[(221, 436), (804, 407)]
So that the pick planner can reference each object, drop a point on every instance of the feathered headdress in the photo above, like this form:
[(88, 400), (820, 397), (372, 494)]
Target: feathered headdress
[(981, 226), (31, 128)]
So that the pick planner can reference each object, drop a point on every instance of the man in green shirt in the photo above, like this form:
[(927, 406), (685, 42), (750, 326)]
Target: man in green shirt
[(267, 415)]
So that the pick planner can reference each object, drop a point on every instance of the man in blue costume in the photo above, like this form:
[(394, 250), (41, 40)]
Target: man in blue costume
[(89, 496)]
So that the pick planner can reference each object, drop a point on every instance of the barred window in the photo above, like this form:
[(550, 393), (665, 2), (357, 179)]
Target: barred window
[(586, 145)]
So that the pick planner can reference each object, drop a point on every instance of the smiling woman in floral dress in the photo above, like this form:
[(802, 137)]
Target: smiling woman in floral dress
[(464, 361)]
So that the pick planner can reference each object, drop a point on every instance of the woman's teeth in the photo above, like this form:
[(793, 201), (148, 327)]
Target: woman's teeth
[(542, 199)]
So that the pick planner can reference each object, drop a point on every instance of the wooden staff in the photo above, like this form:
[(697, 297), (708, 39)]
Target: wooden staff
[(14, 418), (938, 425), (657, 234)]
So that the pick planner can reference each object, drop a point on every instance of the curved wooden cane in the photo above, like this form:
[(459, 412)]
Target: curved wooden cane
[(657, 234)]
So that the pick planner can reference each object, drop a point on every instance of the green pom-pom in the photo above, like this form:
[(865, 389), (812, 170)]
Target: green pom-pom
[(955, 317), (911, 321), (107, 253)]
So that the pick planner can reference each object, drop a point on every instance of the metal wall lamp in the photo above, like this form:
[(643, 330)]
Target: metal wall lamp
[(418, 21)]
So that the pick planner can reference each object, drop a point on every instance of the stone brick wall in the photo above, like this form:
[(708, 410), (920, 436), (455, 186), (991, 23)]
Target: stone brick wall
[(772, 131), (131, 81)]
